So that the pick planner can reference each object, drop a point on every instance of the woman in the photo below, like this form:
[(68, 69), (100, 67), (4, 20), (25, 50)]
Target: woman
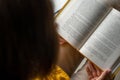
[(28, 43)]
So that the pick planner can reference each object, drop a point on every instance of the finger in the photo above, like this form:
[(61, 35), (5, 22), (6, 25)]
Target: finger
[(94, 79), (93, 70), (90, 76), (98, 71), (55, 25), (108, 76), (104, 75), (61, 41)]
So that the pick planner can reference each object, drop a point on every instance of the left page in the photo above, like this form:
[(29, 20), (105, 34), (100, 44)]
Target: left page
[(79, 19)]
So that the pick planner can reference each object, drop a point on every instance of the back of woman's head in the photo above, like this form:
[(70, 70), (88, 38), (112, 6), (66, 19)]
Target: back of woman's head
[(28, 40)]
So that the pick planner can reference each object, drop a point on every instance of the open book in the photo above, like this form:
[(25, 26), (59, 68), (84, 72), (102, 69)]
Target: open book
[(93, 28)]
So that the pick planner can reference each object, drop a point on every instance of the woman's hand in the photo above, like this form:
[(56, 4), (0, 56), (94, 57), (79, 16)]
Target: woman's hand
[(61, 41), (95, 73)]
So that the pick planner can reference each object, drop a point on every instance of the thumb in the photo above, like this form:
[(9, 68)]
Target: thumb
[(104, 74)]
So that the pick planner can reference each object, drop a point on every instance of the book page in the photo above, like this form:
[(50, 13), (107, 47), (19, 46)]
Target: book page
[(103, 47), (79, 19)]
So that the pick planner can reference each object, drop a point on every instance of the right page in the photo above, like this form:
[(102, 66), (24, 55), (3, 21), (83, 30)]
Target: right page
[(79, 19), (103, 47)]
